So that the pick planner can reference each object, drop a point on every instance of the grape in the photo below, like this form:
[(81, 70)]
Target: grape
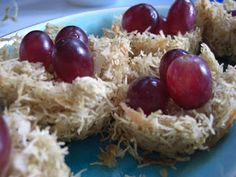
[(147, 93), (166, 60), (140, 17), (161, 25), (233, 13), (37, 46), (72, 32), (5, 146), (189, 81), (181, 17), (72, 58)]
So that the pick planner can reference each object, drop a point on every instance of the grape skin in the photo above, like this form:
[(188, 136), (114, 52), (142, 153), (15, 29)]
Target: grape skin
[(5, 147), (189, 81), (161, 25), (72, 58), (72, 32), (181, 17), (166, 60), (140, 17), (37, 46), (147, 93), (233, 13)]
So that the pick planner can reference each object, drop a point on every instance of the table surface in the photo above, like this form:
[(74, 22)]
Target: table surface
[(35, 11)]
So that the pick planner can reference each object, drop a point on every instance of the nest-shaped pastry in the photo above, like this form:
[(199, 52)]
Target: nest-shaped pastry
[(119, 56), (74, 110), (34, 152), (156, 44), (180, 133), (84, 107), (218, 26)]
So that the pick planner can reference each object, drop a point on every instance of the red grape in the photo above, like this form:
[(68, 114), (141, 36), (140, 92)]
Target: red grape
[(37, 46), (181, 17), (140, 17), (72, 32), (166, 60), (5, 146), (161, 25), (147, 93), (233, 13), (189, 81), (72, 58)]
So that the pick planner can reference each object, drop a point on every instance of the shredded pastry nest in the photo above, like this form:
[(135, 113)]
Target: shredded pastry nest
[(121, 57), (218, 26), (72, 110), (125, 56), (181, 132), (34, 152), (34, 101)]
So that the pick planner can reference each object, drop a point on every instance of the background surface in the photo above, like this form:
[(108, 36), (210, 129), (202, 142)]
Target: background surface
[(31, 12)]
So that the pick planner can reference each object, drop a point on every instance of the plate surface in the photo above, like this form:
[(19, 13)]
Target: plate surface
[(220, 161)]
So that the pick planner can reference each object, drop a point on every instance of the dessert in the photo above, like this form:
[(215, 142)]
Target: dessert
[(218, 24), (146, 85)]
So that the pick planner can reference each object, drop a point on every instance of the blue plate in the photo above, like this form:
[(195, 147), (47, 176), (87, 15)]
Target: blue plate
[(220, 161)]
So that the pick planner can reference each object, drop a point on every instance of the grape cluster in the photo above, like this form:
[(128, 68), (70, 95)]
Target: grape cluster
[(184, 77), (69, 57), (181, 18)]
